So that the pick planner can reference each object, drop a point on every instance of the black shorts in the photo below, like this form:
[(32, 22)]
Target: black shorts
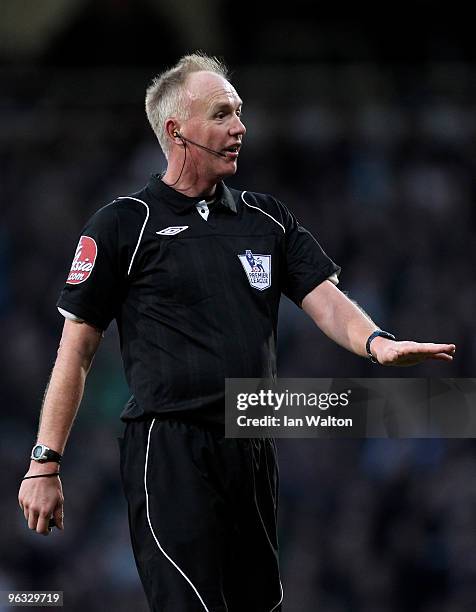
[(202, 517)]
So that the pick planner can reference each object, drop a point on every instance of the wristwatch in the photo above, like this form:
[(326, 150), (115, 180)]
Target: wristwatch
[(377, 332), (43, 454)]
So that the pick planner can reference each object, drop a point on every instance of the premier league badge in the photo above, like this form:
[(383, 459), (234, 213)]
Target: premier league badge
[(257, 268)]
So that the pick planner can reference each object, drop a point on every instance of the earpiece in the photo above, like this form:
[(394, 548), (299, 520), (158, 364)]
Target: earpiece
[(177, 134)]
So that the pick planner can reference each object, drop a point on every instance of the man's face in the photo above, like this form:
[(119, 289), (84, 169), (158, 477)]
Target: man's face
[(214, 122)]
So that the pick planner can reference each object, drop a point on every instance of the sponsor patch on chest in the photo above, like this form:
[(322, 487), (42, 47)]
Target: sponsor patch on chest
[(83, 262), (257, 268)]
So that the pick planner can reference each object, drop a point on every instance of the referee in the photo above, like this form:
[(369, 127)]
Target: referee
[(193, 271)]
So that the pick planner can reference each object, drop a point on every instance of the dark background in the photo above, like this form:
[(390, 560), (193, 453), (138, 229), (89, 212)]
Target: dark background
[(361, 119)]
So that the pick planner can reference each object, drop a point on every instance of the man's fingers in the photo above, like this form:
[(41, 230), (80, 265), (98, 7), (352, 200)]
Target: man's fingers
[(427, 347), (443, 356), (407, 348), (448, 349), (32, 518), (42, 525), (58, 516), (407, 353)]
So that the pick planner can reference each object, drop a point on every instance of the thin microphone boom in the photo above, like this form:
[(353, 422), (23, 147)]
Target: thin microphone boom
[(212, 151)]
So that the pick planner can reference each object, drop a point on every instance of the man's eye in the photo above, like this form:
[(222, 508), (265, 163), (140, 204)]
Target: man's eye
[(220, 115)]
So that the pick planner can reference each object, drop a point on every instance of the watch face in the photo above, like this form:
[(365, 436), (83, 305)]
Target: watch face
[(37, 452)]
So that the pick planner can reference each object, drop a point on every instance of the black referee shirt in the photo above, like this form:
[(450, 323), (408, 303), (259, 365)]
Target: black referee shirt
[(195, 300)]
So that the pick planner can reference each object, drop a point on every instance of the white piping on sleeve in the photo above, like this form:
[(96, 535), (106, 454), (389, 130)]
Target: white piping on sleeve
[(281, 598), (152, 529), (262, 211), (142, 230), (69, 315)]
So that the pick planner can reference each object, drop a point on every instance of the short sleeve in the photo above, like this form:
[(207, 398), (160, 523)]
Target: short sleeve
[(95, 283), (306, 263)]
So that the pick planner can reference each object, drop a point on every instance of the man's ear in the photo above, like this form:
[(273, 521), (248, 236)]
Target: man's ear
[(172, 128)]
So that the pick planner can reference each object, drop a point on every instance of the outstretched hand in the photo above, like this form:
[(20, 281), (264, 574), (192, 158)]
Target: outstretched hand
[(408, 353)]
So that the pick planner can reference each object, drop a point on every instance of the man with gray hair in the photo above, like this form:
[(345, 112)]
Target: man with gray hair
[(193, 272), (166, 96)]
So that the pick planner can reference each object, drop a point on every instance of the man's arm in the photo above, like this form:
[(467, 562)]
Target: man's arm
[(342, 321), (40, 498)]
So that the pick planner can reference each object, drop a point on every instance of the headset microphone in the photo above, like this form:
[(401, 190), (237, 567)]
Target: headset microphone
[(212, 151)]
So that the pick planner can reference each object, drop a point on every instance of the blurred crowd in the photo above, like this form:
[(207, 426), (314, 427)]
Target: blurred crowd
[(379, 163)]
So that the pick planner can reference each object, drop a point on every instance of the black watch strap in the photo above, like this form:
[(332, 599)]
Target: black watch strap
[(377, 332)]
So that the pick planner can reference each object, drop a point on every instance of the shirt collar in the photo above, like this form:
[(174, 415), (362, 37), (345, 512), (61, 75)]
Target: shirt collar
[(182, 203)]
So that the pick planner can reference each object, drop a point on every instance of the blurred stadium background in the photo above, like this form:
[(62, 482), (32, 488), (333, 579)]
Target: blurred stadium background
[(365, 126)]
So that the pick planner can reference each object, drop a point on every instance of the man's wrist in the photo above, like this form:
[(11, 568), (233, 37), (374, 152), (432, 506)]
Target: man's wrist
[(44, 460), (378, 342), (376, 338), (43, 468)]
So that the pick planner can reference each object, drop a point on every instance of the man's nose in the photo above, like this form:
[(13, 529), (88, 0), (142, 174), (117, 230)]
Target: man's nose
[(238, 128)]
